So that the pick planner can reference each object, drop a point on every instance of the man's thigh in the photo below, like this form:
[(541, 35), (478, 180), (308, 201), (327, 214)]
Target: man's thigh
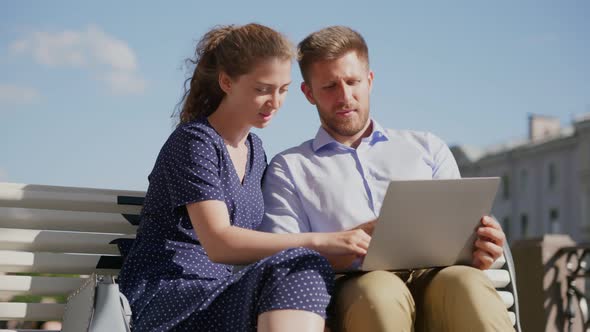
[(457, 298), (372, 301)]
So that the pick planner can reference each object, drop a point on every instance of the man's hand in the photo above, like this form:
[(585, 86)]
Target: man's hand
[(489, 243)]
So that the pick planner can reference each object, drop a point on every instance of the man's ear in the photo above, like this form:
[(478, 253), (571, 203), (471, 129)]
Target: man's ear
[(371, 77), (225, 82), (306, 89)]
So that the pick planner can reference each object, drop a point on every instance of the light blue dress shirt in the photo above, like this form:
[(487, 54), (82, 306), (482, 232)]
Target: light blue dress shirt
[(324, 186)]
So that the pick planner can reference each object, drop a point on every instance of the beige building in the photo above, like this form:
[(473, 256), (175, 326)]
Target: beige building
[(545, 184)]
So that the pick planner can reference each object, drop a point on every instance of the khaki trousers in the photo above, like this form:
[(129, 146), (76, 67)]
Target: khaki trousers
[(456, 298)]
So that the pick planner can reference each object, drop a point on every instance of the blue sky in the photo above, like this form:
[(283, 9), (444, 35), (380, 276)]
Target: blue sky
[(87, 90)]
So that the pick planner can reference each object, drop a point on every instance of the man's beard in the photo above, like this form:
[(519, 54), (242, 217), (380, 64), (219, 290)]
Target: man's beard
[(348, 126)]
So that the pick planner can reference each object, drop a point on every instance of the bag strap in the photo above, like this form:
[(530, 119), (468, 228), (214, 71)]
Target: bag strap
[(125, 310)]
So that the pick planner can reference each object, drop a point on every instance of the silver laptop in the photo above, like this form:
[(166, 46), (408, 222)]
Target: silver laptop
[(429, 223)]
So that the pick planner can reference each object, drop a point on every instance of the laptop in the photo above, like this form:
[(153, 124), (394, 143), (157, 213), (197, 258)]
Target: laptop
[(429, 223)]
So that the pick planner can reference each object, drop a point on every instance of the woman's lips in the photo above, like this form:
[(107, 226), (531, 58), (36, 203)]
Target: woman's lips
[(265, 116)]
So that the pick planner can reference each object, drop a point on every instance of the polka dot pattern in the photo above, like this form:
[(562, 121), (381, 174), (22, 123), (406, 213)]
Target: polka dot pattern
[(167, 276)]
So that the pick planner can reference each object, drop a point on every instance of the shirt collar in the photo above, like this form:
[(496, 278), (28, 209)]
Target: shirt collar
[(322, 138)]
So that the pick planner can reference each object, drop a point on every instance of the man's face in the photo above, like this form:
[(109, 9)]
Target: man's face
[(340, 90)]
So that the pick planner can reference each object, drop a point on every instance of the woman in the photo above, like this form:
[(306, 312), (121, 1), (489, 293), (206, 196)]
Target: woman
[(204, 202)]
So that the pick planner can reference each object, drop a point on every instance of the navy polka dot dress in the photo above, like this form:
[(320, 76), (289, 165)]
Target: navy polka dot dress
[(167, 275)]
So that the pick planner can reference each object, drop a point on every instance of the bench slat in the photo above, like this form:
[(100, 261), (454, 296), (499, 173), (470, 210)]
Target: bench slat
[(25, 218), (507, 298), (19, 330), (43, 262), (512, 317), (31, 311), (499, 278), (69, 198), (56, 241), (499, 263), (27, 285), (4, 186), (1, 330)]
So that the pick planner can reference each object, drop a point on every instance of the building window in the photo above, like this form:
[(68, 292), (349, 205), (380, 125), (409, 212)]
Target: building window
[(506, 228), (524, 225), (585, 209), (554, 221), (552, 176), (505, 187)]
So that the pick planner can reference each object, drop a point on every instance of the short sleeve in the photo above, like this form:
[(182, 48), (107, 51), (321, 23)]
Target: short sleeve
[(192, 167), (445, 166), (284, 212)]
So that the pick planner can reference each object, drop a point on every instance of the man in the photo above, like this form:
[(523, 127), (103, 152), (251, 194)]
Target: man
[(338, 180)]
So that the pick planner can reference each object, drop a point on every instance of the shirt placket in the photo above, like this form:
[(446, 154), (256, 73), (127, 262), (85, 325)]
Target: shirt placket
[(359, 156)]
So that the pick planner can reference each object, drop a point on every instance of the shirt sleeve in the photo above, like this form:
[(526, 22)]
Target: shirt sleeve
[(445, 166), (284, 212), (191, 165)]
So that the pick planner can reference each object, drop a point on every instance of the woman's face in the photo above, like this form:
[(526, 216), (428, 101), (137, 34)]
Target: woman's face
[(256, 96)]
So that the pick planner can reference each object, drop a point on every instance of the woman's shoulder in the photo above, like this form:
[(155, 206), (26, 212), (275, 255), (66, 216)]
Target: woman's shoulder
[(192, 138), (196, 129), (196, 133)]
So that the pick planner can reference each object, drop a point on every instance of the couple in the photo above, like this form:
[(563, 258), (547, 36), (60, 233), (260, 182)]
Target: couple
[(205, 210)]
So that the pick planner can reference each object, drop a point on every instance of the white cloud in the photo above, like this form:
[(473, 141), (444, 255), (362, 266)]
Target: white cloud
[(17, 95), (59, 49), (89, 48), (125, 82), (110, 51)]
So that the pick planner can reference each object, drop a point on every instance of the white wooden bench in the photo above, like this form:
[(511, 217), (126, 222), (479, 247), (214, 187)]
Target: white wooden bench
[(67, 230)]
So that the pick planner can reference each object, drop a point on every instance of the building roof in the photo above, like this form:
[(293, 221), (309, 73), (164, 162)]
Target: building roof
[(473, 154)]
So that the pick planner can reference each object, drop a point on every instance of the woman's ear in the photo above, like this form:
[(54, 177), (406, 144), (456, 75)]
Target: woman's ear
[(225, 82)]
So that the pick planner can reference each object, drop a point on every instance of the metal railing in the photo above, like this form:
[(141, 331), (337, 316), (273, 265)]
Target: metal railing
[(578, 267)]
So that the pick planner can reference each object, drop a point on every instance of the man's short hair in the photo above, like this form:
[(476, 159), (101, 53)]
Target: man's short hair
[(328, 44)]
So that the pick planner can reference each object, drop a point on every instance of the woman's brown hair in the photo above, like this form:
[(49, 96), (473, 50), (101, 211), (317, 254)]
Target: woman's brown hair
[(235, 50)]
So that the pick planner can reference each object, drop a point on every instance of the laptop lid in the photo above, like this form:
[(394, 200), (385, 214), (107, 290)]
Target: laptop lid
[(429, 223)]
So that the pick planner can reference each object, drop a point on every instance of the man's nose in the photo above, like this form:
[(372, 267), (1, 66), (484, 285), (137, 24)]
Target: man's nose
[(345, 93)]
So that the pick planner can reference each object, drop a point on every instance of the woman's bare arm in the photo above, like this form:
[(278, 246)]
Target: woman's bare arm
[(228, 244)]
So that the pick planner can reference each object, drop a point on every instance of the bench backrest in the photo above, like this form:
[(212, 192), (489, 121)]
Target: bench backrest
[(49, 230), (72, 232)]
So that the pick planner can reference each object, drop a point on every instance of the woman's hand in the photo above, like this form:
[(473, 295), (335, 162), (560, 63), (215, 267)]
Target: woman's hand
[(368, 227), (352, 242)]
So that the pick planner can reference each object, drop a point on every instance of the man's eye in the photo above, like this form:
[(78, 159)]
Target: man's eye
[(329, 86)]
